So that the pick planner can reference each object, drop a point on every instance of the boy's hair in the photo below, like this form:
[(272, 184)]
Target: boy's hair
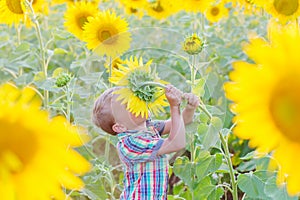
[(102, 114)]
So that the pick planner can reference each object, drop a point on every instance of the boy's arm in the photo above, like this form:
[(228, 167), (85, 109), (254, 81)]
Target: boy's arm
[(176, 139), (188, 112)]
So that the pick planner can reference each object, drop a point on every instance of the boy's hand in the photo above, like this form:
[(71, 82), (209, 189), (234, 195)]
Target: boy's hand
[(192, 101), (173, 95)]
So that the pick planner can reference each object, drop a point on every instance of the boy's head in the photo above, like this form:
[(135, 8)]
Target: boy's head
[(102, 112), (111, 116)]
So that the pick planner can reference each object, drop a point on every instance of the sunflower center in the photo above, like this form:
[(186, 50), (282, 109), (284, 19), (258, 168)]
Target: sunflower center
[(286, 7), (215, 11), (17, 146), (107, 36), (157, 7), (81, 21), (145, 93), (14, 6), (133, 10), (249, 1), (285, 109)]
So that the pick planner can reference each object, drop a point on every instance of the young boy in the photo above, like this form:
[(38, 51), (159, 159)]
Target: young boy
[(140, 147)]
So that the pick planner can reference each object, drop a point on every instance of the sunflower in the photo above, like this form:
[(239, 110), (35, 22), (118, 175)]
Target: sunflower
[(11, 12), (107, 34), (196, 5), (193, 44), (131, 10), (215, 12), (160, 9), (284, 10), (114, 64), (76, 16), (267, 100), (14, 11), (138, 99), (36, 155)]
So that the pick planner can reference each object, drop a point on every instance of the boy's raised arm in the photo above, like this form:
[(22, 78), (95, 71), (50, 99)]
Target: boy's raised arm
[(176, 139), (188, 112)]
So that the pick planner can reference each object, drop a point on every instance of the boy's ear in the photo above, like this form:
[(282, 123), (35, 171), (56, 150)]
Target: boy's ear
[(119, 128)]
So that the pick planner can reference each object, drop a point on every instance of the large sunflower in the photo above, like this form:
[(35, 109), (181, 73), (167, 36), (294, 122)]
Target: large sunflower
[(36, 155), (107, 34), (215, 12), (267, 100), (13, 11), (130, 75), (283, 9), (76, 16)]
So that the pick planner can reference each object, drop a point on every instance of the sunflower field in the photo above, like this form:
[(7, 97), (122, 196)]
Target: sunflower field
[(240, 57)]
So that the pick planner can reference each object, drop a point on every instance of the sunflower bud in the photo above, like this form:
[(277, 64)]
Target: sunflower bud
[(193, 44), (62, 80)]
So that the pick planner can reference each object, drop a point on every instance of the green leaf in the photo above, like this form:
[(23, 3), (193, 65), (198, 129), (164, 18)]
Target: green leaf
[(207, 191), (60, 51), (211, 137), (206, 163), (198, 87), (217, 193), (275, 192), (248, 156), (91, 78), (251, 185), (184, 169)]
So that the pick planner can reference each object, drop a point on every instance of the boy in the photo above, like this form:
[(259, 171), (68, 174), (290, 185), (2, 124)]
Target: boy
[(140, 147)]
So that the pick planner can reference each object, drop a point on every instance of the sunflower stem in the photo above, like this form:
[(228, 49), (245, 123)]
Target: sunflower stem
[(152, 83), (19, 28), (229, 163), (110, 70), (193, 72), (42, 49)]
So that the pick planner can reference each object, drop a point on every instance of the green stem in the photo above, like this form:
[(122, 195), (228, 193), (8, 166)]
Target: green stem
[(107, 142), (42, 49), (231, 171), (68, 104), (193, 76), (204, 109), (107, 148), (193, 71), (152, 83), (110, 70), (19, 28)]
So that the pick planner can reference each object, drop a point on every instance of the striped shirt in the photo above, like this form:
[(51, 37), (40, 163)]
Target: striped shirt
[(145, 173)]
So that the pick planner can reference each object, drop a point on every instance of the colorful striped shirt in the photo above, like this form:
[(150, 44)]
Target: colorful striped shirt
[(145, 173)]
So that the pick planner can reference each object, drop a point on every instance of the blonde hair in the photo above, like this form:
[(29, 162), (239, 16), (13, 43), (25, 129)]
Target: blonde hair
[(102, 115)]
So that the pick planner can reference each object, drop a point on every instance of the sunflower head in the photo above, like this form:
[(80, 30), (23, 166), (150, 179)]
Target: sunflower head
[(193, 44), (107, 34), (25, 152), (139, 87), (145, 93), (272, 100)]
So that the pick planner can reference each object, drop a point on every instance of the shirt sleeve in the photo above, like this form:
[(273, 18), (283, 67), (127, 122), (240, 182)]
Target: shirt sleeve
[(159, 125), (140, 148)]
